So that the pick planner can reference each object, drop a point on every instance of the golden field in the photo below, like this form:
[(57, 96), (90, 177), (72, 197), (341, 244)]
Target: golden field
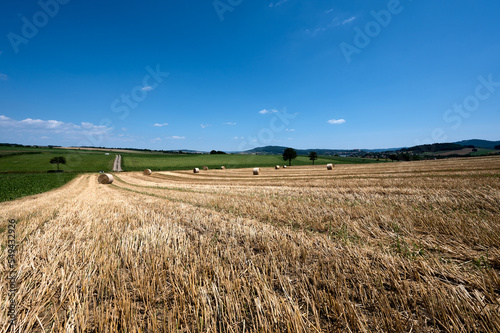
[(393, 247)]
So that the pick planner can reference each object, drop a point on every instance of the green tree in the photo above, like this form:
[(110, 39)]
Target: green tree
[(289, 154), (313, 156), (58, 160)]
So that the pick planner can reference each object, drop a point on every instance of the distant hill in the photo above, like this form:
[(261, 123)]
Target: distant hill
[(270, 150), (420, 149), (382, 150), (433, 148), (278, 150), (479, 143)]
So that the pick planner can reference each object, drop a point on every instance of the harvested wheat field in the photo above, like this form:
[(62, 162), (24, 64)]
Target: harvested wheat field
[(394, 247)]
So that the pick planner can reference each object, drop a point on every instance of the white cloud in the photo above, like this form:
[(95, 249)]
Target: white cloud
[(265, 111), (290, 130), (278, 3), (44, 137), (38, 123), (349, 20), (156, 140), (239, 138), (3, 77), (229, 123), (47, 128), (334, 23), (147, 88), (336, 121), (205, 126), (175, 137), (160, 125), (329, 10)]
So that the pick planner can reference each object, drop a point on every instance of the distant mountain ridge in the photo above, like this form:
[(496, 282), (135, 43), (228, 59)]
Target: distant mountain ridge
[(278, 150), (479, 143)]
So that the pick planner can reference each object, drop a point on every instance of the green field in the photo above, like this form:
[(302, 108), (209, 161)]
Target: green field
[(77, 161), (157, 162), (16, 185), (23, 170), (483, 151)]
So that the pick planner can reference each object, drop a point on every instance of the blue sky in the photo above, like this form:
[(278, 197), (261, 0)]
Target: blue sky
[(232, 75)]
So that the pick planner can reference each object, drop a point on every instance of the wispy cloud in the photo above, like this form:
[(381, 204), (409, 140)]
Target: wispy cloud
[(277, 3), (205, 125), (265, 111), (175, 137), (147, 88), (229, 123), (290, 130), (3, 77), (332, 24), (156, 140), (349, 20), (160, 125), (239, 138), (48, 127), (336, 121)]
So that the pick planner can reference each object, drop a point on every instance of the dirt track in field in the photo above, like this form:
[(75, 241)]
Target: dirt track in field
[(117, 165)]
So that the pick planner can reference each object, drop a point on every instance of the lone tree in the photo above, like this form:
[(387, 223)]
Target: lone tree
[(289, 154), (313, 156), (58, 160)]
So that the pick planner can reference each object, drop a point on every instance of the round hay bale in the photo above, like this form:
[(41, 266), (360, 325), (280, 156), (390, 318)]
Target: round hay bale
[(147, 172), (105, 178), (223, 168), (329, 166), (205, 168), (256, 171), (284, 166), (277, 167), (196, 170)]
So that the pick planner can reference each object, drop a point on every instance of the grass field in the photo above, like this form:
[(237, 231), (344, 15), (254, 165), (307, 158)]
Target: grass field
[(392, 247), (28, 159), (16, 185), (76, 162), (136, 162)]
